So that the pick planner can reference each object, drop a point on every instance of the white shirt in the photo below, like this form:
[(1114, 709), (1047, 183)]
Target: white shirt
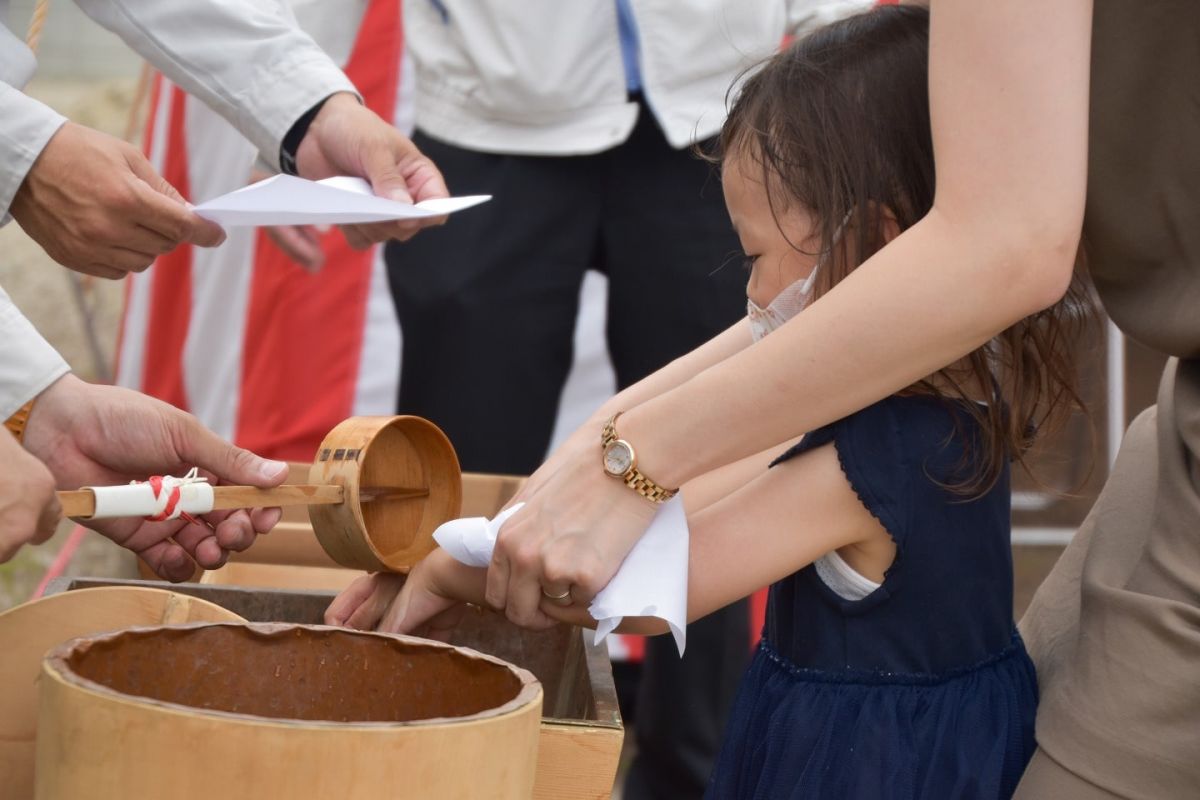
[(247, 60), (546, 77)]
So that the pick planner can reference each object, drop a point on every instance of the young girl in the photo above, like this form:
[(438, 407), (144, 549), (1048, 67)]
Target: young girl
[(889, 664)]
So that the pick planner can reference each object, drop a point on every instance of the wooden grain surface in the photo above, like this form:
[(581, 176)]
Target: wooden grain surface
[(29, 630)]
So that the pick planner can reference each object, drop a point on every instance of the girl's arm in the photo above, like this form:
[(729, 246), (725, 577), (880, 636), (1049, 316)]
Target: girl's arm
[(1009, 100), (778, 523)]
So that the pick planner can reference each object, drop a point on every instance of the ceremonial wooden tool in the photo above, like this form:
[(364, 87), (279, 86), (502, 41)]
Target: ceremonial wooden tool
[(378, 488), (273, 711)]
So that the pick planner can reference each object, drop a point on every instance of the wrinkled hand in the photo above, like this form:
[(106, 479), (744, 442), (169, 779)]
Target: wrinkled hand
[(96, 205), (346, 138), (29, 509), (91, 435), (416, 604), (576, 528)]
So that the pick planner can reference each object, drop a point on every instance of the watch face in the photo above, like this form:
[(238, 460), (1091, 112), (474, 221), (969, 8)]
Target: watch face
[(618, 458)]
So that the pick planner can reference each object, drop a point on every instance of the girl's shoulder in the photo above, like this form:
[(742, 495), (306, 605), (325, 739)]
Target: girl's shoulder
[(912, 431), (904, 455)]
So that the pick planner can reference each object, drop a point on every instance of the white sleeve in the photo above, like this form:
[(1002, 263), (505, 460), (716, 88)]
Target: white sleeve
[(25, 127), (246, 60), (28, 364)]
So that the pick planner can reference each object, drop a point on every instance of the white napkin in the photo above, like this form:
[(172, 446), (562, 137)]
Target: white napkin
[(289, 200), (652, 581)]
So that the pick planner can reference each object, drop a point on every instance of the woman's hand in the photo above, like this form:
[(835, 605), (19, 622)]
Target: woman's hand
[(576, 528)]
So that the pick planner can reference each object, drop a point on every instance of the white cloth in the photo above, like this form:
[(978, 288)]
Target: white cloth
[(652, 581), (546, 77), (842, 578)]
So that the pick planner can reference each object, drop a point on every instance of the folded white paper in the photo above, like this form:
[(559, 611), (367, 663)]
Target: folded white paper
[(288, 200), (652, 581)]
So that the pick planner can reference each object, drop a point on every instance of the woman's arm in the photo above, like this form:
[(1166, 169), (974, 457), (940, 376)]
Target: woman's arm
[(1009, 99)]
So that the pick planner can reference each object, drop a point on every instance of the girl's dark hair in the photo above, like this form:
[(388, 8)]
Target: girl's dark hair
[(839, 123)]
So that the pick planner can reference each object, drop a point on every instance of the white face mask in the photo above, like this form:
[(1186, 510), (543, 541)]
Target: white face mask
[(787, 304), (792, 300)]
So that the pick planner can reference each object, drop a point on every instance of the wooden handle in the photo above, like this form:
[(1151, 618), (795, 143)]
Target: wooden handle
[(82, 503)]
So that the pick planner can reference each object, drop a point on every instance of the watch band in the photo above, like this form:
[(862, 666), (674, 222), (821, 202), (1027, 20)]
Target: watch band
[(634, 478), (16, 423), (295, 135)]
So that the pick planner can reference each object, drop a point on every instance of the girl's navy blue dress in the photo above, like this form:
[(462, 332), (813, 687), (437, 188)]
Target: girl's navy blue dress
[(922, 689)]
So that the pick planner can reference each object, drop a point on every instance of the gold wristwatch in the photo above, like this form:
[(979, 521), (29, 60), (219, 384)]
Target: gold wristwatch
[(620, 461)]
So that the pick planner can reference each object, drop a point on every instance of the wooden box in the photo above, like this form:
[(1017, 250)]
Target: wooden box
[(581, 735)]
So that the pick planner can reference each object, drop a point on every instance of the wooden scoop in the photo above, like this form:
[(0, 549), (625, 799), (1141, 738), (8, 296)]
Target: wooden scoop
[(81, 503), (378, 488)]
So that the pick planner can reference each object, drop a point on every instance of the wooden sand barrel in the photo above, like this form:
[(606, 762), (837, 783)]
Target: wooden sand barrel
[(28, 631), (254, 711)]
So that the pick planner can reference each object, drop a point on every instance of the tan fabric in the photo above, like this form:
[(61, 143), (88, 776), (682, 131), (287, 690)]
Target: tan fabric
[(1142, 226), (1046, 778), (1115, 629)]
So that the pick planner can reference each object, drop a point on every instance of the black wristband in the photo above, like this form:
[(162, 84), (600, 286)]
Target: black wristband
[(295, 135)]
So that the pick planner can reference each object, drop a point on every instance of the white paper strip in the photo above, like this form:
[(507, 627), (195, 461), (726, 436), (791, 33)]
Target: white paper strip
[(138, 500), (288, 200)]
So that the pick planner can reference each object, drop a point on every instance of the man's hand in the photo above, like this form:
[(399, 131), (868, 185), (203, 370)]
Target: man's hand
[(91, 435), (29, 509), (95, 205), (346, 138)]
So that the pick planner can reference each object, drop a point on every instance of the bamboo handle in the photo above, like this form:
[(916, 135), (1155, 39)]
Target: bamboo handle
[(82, 503)]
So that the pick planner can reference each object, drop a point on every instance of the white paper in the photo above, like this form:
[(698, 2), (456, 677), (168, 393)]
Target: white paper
[(651, 582), (289, 200), (139, 500)]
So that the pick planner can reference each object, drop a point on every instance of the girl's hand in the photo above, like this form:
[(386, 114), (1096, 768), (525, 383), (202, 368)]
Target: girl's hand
[(429, 602), (420, 610), (363, 603)]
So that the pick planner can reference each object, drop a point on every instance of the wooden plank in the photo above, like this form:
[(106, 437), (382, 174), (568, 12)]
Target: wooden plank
[(576, 762), (280, 576)]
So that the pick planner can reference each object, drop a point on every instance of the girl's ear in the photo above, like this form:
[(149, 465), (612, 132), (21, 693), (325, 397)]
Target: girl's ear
[(885, 221), (889, 226)]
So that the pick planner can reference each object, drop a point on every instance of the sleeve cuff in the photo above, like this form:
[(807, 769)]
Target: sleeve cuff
[(28, 364), (282, 93), (25, 127)]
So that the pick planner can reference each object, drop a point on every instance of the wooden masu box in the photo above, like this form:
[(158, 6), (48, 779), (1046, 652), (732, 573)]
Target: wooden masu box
[(581, 735)]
